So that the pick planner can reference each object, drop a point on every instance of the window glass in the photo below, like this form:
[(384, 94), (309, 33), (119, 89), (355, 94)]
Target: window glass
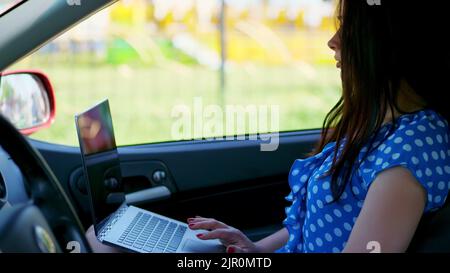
[(176, 69)]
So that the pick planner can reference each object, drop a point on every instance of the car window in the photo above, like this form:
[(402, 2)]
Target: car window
[(179, 70)]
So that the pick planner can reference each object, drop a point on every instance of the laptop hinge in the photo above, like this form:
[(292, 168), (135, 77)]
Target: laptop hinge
[(105, 226)]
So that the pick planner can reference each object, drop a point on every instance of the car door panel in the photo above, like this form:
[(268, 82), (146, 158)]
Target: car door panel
[(229, 180)]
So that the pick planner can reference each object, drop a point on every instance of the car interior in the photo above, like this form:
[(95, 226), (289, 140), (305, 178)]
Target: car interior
[(43, 184)]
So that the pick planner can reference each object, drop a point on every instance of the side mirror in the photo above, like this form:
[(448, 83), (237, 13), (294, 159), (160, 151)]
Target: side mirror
[(27, 100)]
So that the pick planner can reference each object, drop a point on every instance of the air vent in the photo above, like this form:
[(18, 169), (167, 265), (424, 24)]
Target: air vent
[(2, 187)]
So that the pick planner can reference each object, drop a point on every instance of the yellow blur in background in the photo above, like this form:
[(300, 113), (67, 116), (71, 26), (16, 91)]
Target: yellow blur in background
[(149, 56)]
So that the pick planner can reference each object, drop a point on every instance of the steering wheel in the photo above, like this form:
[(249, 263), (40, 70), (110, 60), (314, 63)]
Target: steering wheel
[(48, 222)]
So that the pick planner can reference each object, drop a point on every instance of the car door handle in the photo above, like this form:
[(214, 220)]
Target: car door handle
[(148, 195)]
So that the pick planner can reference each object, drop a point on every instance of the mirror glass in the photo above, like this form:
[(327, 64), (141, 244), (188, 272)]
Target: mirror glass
[(24, 100)]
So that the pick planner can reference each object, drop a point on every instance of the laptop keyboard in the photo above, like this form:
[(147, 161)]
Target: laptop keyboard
[(152, 234)]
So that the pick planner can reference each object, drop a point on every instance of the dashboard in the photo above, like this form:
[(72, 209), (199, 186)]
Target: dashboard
[(12, 182)]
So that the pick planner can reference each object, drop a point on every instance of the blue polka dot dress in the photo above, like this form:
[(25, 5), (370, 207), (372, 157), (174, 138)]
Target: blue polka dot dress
[(420, 143)]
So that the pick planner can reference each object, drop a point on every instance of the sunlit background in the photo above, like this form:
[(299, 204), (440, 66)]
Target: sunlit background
[(147, 56)]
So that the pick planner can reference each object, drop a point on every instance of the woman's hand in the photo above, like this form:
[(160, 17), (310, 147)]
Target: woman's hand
[(233, 239)]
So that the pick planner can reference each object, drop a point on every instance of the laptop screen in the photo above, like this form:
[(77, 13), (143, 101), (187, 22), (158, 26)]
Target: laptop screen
[(95, 130), (100, 161)]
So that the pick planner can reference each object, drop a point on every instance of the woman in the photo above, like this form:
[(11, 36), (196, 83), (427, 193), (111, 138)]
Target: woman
[(393, 161)]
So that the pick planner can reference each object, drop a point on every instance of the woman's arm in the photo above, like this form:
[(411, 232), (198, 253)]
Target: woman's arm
[(234, 239), (273, 242), (391, 213)]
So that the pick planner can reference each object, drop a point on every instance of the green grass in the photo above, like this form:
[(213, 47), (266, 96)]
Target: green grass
[(142, 98)]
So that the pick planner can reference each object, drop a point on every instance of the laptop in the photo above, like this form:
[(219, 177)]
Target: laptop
[(116, 223)]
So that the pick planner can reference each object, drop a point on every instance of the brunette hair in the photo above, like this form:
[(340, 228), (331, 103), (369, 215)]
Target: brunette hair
[(383, 47)]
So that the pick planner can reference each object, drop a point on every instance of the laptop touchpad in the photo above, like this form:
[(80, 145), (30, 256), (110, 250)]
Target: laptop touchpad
[(203, 246)]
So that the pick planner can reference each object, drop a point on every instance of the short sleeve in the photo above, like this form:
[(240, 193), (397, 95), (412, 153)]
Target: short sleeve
[(421, 145)]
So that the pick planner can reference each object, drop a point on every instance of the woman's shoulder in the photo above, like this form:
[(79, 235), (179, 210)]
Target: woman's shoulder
[(420, 143), (421, 129), (424, 117), (418, 136)]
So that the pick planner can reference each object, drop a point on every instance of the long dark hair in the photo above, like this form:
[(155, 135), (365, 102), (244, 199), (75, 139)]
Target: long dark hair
[(383, 47)]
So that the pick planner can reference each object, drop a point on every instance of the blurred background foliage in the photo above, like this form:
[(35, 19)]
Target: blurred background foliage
[(148, 56)]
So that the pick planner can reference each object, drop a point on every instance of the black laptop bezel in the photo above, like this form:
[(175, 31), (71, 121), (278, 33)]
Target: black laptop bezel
[(98, 223)]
